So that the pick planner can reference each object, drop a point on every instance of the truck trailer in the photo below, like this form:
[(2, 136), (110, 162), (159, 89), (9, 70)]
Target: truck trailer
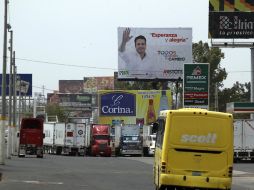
[(65, 138), (243, 140)]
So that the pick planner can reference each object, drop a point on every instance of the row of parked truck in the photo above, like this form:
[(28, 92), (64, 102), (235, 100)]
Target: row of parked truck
[(82, 138), (79, 137)]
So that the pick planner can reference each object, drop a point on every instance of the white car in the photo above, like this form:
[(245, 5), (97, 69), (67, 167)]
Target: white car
[(152, 140)]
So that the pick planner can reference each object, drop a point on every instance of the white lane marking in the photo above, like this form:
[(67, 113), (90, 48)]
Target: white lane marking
[(37, 182), (236, 172)]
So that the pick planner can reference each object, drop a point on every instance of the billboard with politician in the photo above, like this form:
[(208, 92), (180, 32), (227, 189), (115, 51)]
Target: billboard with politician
[(153, 53)]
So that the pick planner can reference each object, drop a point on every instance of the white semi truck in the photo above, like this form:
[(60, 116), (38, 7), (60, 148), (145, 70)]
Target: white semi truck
[(243, 140)]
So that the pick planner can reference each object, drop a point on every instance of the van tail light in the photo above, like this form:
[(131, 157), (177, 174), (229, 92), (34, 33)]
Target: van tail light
[(230, 171), (163, 167)]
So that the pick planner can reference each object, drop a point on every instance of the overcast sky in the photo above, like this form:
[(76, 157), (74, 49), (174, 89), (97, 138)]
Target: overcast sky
[(83, 34)]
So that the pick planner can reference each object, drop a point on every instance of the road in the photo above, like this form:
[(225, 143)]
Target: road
[(87, 173)]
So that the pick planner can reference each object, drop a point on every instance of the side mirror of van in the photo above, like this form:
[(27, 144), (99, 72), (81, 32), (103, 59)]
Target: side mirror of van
[(17, 134), (155, 127), (43, 135)]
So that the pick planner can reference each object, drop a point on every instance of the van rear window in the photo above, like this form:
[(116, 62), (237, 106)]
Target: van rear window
[(200, 131)]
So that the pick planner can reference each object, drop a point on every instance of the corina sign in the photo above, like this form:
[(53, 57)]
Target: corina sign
[(118, 104)]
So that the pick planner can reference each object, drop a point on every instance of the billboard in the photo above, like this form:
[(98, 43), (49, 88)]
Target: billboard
[(132, 106), (118, 103), (24, 85), (93, 84), (196, 85), (70, 86), (153, 53), (78, 105), (231, 19)]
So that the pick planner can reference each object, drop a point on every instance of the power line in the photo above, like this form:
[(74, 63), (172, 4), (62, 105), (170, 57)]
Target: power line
[(43, 88), (61, 64), (90, 67)]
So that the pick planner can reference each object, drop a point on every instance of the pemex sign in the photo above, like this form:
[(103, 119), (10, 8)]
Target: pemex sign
[(196, 85)]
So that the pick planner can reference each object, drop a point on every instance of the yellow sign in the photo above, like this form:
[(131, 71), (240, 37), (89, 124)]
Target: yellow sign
[(142, 109), (231, 5)]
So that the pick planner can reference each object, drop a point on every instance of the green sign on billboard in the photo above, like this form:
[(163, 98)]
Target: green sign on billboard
[(196, 85)]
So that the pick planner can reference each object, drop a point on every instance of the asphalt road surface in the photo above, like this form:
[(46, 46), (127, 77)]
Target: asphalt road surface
[(93, 173)]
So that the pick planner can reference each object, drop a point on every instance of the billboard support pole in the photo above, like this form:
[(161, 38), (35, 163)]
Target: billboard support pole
[(252, 80)]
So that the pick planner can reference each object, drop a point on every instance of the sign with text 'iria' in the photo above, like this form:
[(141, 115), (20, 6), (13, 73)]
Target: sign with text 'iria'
[(231, 19)]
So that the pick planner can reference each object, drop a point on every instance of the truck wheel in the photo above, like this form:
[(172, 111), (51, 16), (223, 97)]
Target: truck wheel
[(40, 156), (145, 151), (58, 150)]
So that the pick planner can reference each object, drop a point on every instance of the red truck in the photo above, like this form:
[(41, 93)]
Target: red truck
[(31, 137), (98, 140)]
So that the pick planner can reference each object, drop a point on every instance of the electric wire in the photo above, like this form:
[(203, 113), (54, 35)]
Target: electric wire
[(62, 64), (90, 67)]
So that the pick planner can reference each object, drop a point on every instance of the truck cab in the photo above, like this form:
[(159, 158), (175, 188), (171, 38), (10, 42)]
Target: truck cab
[(128, 140), (131, 145), (100, 140), (31, 137)]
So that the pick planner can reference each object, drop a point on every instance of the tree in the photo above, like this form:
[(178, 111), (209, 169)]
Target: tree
[(138, 85), (55, 109), (238, 93), (202, 53)]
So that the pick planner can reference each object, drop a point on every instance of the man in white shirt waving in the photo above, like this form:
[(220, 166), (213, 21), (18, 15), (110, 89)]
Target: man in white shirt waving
[(139, 63)]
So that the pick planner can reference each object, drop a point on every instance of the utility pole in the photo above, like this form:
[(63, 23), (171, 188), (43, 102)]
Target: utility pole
[(14, 119), (216, 98), (252, 80), (3, 116), (10, 131), (19, 102)]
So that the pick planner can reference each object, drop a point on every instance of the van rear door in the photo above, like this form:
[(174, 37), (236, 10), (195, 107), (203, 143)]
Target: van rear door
[(198, 145)]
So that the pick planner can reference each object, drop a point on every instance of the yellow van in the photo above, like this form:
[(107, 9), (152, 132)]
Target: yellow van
[(194, 149)]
